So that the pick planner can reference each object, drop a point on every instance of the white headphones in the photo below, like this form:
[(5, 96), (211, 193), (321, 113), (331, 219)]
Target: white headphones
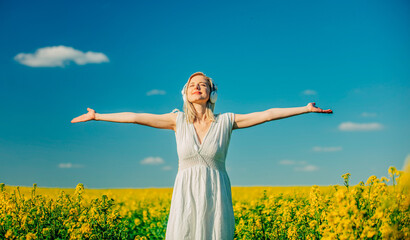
[(212, 98)]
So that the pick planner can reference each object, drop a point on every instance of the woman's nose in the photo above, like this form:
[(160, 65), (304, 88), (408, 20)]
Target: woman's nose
[(198, 87)]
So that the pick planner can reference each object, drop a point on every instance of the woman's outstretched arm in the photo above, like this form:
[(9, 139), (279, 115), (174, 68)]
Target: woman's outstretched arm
[(252, 119), (163, 121)]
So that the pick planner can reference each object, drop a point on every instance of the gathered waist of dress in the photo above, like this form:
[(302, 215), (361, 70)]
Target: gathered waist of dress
[(200, 161)]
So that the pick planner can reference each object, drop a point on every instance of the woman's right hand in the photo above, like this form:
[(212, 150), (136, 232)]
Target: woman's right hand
[(85, 117)]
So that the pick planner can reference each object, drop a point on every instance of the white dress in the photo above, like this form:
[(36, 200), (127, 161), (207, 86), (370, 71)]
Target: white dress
[(201, 205)]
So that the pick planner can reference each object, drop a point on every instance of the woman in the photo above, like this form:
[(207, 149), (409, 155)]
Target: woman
[(201, 204)]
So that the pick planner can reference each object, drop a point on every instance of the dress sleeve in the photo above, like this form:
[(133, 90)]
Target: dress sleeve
[(227, 127), (179, 120), (230, 120)]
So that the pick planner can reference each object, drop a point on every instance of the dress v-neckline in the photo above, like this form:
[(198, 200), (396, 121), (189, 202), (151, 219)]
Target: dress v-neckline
[(196, 134), (207, 133)]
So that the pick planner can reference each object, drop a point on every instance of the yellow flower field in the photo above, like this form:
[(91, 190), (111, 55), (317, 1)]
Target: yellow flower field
[(376, 209)]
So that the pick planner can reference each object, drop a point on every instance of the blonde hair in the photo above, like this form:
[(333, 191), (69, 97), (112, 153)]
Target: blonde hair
[(189, 109)]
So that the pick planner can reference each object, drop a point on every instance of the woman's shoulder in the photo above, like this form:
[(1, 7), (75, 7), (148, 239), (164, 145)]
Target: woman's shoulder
[(227, 116), (177, 112), (179, 115)]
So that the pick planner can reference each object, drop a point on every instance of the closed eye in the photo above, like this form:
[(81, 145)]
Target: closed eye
[(203, 85)]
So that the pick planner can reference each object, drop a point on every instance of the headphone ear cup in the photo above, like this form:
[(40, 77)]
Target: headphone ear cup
[(183, 93), (213, 97)]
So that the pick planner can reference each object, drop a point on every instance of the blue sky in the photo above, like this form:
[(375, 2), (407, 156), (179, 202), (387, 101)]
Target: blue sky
[(60, 57)]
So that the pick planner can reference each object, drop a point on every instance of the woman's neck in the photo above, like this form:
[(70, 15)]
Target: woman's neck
[(200, 112)]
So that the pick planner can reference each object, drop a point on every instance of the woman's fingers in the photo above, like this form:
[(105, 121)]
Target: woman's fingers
[(325, 111), (313, 108), (85, 117), (79, 119), (75, 120)]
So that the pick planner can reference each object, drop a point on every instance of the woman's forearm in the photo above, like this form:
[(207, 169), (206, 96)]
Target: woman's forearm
[(123, 117), (278, 113)]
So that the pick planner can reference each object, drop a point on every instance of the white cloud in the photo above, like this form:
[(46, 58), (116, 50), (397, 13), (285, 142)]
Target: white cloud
[(309, 92), (327, 149), (287, 162), (301, 166), (156, 92), (167, 168), (367, 114), (307, 168), (69, 165), (351, 126), (291, 162), (59, 56), (357, 91), (152, 161)]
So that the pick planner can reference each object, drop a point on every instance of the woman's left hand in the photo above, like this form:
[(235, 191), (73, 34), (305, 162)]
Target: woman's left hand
[(312, 108)]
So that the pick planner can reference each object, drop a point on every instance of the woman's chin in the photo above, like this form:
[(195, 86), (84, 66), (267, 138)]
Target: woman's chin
[(198, 101)]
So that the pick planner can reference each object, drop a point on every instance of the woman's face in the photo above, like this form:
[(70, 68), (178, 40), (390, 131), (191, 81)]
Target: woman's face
[(198, 90)]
